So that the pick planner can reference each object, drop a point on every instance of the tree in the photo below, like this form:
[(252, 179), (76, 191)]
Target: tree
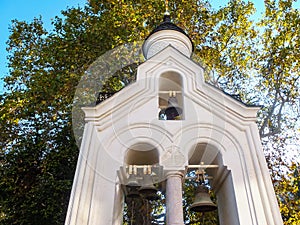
[(258, 65), (289, 195), (279, 87)]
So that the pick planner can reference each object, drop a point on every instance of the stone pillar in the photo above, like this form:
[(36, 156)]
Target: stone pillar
[(174, 198)]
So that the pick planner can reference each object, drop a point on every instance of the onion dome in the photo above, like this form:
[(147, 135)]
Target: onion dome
[(165, 34)]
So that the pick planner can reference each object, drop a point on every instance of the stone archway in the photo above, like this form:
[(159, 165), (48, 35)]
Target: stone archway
[(141, 163), (220, 180)]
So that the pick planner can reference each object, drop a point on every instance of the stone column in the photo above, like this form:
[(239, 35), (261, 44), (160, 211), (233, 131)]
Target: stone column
[(174, 198)]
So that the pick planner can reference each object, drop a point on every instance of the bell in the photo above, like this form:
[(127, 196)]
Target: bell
[(132, 187), (173, 110), (133, 193), (148, 190), (202, 202), (132, 181)]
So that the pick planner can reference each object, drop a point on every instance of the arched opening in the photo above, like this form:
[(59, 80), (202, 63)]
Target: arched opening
[(218, 179), (200, 201), (170, 99), (142, 181)]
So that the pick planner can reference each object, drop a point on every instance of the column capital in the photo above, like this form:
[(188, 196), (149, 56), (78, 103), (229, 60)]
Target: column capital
[(174, 173)]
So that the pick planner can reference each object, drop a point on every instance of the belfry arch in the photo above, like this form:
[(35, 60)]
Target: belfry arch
[(170, 94), (140, 178), (219, 177)]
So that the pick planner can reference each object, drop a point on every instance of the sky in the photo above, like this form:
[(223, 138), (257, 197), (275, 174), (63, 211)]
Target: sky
[(26, 10)]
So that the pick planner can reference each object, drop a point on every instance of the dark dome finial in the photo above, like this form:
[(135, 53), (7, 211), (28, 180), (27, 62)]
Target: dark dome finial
[(167, 17)]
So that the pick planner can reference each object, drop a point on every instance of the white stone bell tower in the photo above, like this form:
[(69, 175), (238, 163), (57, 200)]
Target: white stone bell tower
[(157, 128)]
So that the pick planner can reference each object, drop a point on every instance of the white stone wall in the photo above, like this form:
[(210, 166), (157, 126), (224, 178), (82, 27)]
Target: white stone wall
[(242, 183)]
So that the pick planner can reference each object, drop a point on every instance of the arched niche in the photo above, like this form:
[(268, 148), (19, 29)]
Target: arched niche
[(142, 154), (220, 180), (141, 183), (170, 86)]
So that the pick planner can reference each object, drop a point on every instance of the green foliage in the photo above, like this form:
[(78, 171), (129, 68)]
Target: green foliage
[(288, 191), (258, 62), (141, 211), (36, 176), (278, 66)]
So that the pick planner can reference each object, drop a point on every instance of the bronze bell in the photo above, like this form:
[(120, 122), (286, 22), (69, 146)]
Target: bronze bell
[(132, 187), (148, 190), (173, 110), (202, 202), (132, 181)]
